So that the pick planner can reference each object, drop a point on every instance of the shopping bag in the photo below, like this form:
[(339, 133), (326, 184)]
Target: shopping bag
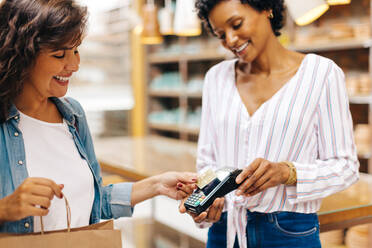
[(100, 235)]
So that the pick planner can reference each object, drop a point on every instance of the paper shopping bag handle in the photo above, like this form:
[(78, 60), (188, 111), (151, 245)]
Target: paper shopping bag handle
[(68, 215)]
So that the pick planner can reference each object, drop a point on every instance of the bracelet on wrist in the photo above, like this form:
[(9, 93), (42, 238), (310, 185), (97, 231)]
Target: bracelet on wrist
[(292, 178)]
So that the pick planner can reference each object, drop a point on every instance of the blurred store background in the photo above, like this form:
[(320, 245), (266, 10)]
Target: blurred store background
[(140, 82)]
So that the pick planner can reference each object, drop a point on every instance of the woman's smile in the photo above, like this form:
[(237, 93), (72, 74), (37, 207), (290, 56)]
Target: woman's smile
[(241, 50), (63, 81)]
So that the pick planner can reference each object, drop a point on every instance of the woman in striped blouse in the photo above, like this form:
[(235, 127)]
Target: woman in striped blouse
[(281, 116)]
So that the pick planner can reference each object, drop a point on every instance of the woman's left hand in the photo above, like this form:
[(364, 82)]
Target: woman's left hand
[(176, 185), (260, 175)]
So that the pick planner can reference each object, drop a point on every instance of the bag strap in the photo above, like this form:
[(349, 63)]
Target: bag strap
[(68, 215)]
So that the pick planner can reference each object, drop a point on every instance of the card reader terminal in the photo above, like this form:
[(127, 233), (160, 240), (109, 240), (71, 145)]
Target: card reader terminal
[(212, 185)]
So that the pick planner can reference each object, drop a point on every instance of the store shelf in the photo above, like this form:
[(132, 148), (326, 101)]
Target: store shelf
[(364, 156), (174, 128), (168, 93), (164, 93), (175, 58), (360, 99), (194, 95), (332, 45)]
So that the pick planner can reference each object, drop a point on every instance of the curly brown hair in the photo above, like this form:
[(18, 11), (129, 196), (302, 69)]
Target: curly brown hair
[(26, 28), (204, 7)]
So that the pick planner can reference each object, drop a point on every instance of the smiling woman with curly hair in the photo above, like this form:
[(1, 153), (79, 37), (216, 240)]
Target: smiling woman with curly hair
[(26, 28), (46, 150), (280, 116)]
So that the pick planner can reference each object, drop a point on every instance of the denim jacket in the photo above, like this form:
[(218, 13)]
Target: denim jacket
[(112, 201)]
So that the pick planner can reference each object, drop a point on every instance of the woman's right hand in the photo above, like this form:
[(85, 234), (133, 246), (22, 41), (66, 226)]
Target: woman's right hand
[(212, 214), (27, 198)]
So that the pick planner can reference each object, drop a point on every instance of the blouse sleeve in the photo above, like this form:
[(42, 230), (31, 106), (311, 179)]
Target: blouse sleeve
[(337, 166)]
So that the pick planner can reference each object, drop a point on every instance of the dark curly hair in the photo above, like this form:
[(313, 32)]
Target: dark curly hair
[(204, 7), (26, 28)]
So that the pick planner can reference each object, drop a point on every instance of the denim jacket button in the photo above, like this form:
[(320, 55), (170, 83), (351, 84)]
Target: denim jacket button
[(27, 225), (16, 134), (16, 117), (20, 162)]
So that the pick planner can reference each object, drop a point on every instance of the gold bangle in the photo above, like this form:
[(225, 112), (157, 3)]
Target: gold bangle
[(292, 178)]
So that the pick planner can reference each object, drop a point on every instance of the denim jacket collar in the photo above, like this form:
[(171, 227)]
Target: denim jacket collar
[(13, 112), (66, 110)]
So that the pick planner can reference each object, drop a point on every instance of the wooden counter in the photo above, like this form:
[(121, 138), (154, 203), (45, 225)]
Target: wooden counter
[(350, 207), (138, 158)]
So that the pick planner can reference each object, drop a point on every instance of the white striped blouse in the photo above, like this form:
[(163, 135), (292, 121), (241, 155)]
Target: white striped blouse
[(307, 122)]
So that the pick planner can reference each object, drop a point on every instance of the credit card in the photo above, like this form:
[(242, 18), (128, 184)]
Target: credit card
[(205, 178)]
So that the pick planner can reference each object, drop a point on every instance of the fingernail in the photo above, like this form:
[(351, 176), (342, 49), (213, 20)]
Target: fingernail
[(194, 180), (179, 185)]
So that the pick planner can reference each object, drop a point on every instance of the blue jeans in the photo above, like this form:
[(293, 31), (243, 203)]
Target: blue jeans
[(273, 230)]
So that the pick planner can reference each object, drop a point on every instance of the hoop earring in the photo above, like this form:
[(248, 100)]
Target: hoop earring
[(271, 15)]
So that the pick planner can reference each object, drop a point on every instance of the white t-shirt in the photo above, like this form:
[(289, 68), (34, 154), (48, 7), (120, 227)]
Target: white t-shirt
[(51, 153)]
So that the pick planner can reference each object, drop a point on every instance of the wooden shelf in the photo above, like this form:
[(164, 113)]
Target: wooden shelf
[(195, 95), (164, 93), (168, 93), (364, 156), (332, 45), (360, 99), (314, 47), (175, 58), (174, 128)]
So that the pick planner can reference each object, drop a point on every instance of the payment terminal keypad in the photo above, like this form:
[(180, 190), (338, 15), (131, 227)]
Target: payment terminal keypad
[(196, 198)]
